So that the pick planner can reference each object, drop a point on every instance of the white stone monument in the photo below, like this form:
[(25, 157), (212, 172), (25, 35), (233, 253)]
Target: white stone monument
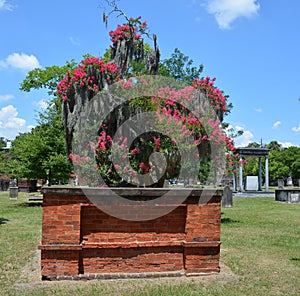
[(252, 183)]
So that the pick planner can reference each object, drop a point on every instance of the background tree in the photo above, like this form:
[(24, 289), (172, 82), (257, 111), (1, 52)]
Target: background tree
[(277, 168), (180, 67), (47, 78), (3, 142), (290, 158), (274, 145), (40, 154)]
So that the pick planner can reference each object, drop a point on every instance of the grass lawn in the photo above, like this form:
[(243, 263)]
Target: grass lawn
[(260, 244)]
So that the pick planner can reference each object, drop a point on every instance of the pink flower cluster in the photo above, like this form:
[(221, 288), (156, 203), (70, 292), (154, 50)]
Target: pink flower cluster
[(144, 168), (104, 142), (132, 29), (80, 76), (174, 107), (217, 99), (77, 159), (233, 161)]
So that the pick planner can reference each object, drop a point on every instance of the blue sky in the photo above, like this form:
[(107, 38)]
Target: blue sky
[(252, 47)]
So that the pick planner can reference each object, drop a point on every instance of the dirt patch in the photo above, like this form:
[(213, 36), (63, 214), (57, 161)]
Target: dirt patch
[(31, 278)]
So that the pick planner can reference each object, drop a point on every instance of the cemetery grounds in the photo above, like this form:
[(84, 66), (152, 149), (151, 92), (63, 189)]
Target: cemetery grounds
[(260, 255)]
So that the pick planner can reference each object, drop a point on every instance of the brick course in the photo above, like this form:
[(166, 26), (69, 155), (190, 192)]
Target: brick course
[(79, 239)]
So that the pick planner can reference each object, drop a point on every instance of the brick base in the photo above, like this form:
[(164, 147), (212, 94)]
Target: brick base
[(80, 241)]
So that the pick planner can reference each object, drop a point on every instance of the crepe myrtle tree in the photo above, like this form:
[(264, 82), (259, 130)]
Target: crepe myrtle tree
[(71, 86), (93, 74)]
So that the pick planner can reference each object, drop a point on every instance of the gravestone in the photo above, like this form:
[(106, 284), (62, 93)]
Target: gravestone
[(291, 195), (13, 189), (294, 197), (280, 183), (252, 183), (227, 197), (289, 181)]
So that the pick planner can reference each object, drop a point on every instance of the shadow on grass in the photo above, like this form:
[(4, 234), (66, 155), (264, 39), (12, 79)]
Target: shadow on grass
[(3, 221), (295, 261), (30, 204), (228, 220)]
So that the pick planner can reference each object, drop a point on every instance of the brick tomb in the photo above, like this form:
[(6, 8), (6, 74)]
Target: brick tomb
[(80, 241)]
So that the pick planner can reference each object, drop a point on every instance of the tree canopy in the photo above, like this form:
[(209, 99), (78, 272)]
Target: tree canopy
[(41, 153)]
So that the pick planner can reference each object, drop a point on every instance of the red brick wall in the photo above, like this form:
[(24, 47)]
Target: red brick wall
[(79, 239)]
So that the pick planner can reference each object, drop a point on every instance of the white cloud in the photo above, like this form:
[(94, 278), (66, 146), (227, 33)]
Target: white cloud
[(4, 5), (5, 98), (244, 139), (258, 110), (42, 104), (296, 128), (286, 144), (227, 11), (276, 124), (10, 124), (20, 61)]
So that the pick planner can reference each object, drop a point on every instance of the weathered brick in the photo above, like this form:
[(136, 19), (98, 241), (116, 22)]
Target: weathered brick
[(79, 238)]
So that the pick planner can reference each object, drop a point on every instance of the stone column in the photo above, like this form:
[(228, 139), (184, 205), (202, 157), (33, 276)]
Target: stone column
[(259, 175), (234, 179), (267, 173), (234, 182), (241, 174)]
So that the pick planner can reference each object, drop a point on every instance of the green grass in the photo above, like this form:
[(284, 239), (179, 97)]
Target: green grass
[(20, 232), (260, 244)]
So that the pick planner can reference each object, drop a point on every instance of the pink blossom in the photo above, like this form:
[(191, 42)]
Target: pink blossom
[(135, 151), (157, 143), (85, 159), (144, 167)]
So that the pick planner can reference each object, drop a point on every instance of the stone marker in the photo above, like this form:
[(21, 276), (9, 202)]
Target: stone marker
[(280, 183), (289, 181), (294, 197), (252, 183), (13, 189), (227, 197)]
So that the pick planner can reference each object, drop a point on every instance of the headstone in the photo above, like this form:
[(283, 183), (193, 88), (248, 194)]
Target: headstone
[(13, 189), (280, 183), (289, 181), (294, 198), (227, 197), (252, 183)]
